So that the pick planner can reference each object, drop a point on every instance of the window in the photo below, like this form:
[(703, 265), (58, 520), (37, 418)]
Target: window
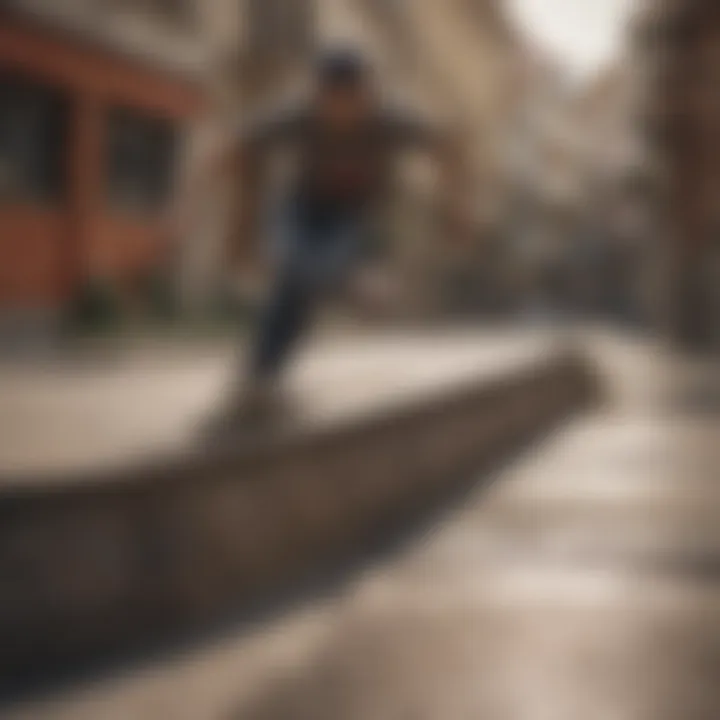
[(141, 154), (33, 134)]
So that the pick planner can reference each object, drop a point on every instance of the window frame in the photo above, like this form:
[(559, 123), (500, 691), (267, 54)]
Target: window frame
[(49, 142), (158, 190)]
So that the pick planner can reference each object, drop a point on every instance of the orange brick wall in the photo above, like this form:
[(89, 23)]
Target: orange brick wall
[(47, 252), (34, 263)]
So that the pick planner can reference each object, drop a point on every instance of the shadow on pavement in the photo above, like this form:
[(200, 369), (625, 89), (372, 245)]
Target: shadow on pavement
[(324, 582)]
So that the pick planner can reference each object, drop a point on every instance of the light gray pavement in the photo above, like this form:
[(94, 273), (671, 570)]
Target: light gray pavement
[(584, 583), (65, 417)]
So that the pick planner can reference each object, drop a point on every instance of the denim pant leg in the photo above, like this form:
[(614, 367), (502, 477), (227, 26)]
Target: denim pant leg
[(313, 259), (288, 310), (282, 325)]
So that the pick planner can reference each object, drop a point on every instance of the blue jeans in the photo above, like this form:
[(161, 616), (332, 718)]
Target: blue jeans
[(315, 254)]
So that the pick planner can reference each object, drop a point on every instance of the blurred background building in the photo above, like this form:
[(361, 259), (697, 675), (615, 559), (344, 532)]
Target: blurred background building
[(111, 106), (678, 52), (99, 100), (594, 197)]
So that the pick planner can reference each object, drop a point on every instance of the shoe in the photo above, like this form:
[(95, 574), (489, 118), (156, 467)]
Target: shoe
[(254, 408)]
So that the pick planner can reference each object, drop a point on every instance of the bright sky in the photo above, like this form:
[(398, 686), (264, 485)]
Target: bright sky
[(584, 34)]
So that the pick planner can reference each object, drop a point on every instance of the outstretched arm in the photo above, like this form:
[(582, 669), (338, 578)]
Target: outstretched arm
[(444, 148)]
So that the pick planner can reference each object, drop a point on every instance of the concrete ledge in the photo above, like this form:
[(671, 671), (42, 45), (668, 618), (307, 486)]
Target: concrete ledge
[(98, 565)]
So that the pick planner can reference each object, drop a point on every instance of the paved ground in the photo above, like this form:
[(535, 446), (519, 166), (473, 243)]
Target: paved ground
[(107, 411), (583, 583)]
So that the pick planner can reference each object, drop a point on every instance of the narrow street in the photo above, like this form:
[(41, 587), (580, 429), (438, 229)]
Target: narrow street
[(582, 582)]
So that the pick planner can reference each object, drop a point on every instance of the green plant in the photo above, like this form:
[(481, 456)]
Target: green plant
[(96, 307)]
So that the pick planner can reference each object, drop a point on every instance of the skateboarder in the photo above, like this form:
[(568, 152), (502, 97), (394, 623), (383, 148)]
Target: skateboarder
[(344, 143)]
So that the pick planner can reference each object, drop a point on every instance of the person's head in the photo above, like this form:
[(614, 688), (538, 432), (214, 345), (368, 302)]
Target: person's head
[(343, 87)]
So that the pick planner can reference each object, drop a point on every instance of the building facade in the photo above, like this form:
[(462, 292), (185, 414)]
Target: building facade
[(678, 44), (109, 107), (94, 122)]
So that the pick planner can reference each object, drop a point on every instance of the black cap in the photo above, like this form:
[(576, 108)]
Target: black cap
[(342, 67)]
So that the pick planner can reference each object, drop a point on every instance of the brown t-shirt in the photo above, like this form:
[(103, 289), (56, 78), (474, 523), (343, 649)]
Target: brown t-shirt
[(334, 170)]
